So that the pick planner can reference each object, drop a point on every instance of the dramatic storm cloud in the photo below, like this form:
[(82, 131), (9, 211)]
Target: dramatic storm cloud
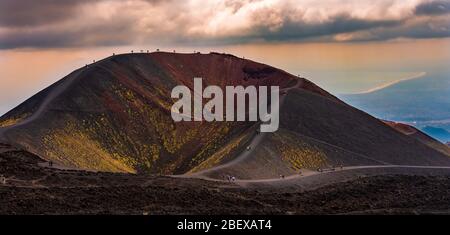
[(52, 23), (433, 8)]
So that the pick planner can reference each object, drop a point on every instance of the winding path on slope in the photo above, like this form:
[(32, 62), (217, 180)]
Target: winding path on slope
[(60, 88), (257, 139), (308, 173), (349, 168), (351, 173), (54, 93)]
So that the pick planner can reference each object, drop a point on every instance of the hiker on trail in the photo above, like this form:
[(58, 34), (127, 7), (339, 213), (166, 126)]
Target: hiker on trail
[(50, 163), (282, 176), (2, 179)]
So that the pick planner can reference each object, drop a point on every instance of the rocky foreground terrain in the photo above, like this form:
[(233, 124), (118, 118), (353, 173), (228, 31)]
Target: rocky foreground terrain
[(33, 187)]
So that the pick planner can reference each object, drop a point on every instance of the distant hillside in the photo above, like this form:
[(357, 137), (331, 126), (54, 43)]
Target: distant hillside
[(422, 102)]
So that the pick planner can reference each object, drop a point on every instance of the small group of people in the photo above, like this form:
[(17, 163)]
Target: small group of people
[(230, 178), (142, 51), (333, 168)]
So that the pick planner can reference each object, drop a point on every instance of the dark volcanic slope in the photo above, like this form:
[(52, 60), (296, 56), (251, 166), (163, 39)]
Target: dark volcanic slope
[(351, 129), (319, 132), (115, 116)]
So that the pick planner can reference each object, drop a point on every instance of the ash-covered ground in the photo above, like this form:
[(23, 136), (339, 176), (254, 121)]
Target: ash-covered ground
[(32, 187)]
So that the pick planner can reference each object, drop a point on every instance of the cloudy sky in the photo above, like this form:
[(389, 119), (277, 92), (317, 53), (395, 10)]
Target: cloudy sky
[(41, 40), (73, 23)]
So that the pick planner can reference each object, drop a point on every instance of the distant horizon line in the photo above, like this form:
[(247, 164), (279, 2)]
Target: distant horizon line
[(388, 84)]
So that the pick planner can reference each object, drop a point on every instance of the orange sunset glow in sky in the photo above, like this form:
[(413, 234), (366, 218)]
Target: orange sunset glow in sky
[(344, 46)]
